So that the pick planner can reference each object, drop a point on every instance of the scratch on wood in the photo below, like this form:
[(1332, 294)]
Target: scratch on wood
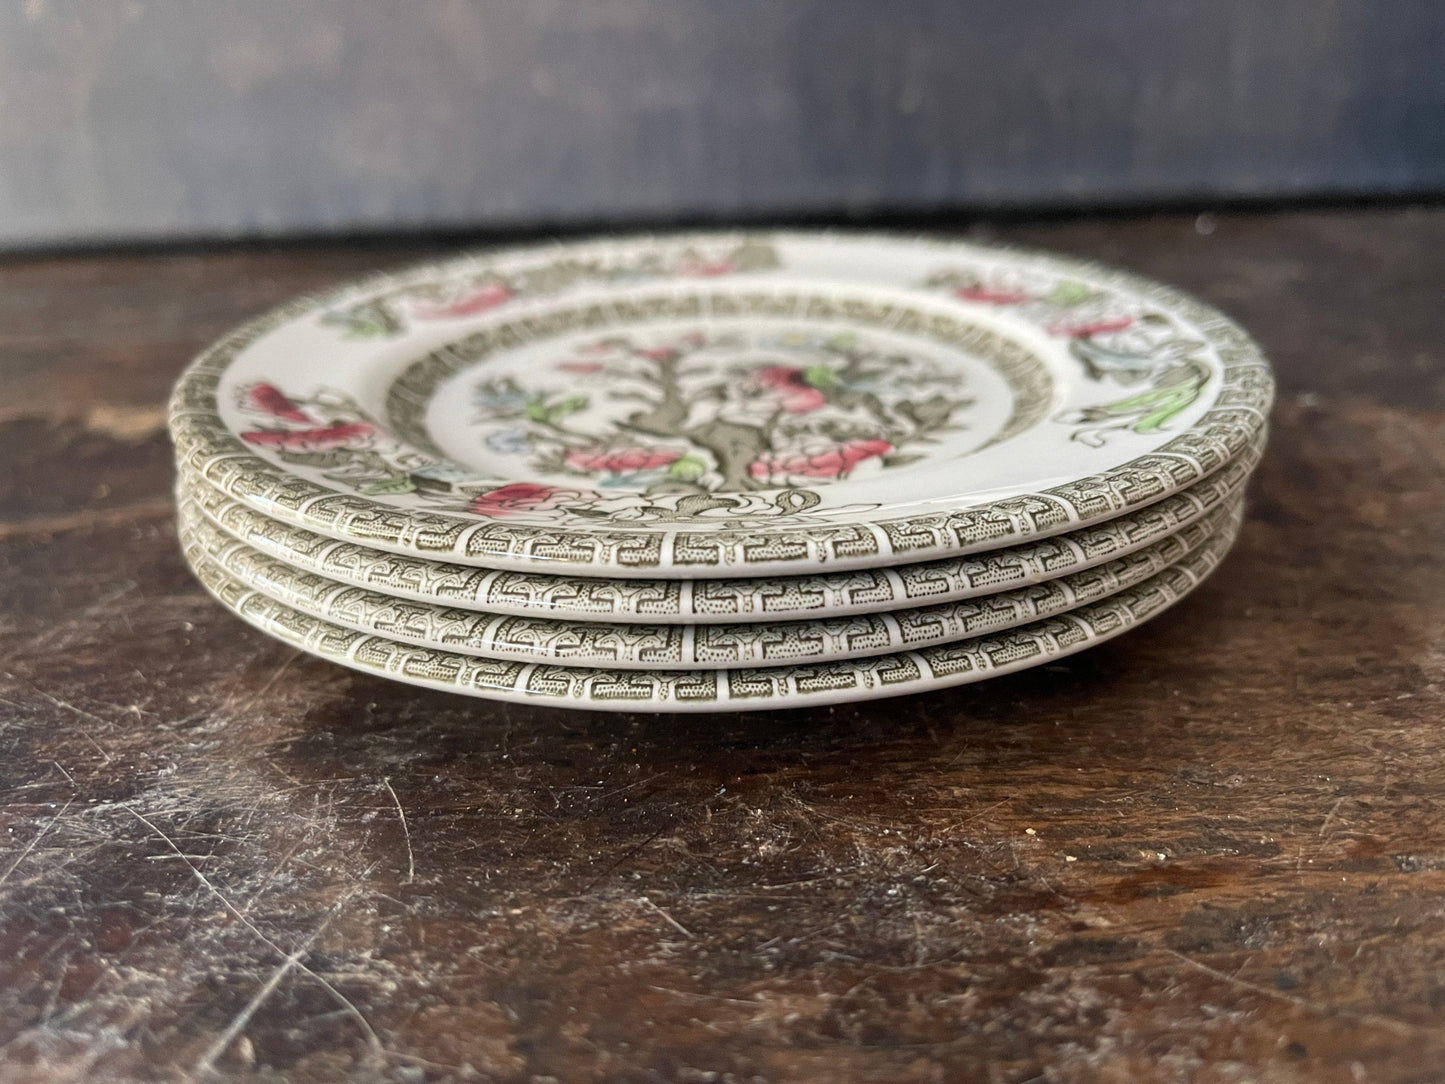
[(406, 834), (31, 845), (233, 707), (82, 713), (269, 877), (206, 1064), (976, 816), (1389, 1023), (1330, 816), (674, 923), (373, 1041)]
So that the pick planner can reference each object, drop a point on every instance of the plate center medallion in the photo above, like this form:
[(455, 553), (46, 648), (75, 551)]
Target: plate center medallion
[(718, 408)]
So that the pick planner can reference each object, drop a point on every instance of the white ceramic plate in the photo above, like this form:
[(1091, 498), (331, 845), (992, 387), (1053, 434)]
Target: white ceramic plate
[(717, 690), (674, 602), (721, 405), (684, 647)]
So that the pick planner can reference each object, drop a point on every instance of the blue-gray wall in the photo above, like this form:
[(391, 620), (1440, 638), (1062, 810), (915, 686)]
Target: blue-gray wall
[(133, 119)]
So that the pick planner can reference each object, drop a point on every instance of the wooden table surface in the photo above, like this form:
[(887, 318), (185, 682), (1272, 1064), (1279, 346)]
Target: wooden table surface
[(1211, 850)]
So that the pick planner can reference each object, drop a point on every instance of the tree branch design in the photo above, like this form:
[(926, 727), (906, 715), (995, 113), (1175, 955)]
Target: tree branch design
[(781, 413)]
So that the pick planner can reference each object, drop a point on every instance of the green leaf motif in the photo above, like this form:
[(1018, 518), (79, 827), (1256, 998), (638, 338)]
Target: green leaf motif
[(565, 407), (400, 483), (328, 460), (900, 460), (687, 469), (1070, 293), (368, 320), (820, 376)]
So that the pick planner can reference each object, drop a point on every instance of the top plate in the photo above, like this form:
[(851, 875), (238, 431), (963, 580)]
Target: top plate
[(716, 405)]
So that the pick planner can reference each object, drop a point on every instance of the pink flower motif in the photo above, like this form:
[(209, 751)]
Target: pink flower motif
[(834, 463), (1099, 327), (519, 497), (795, 394), (621, 461), (480, 300), (658, 353), (322, 439), (992, 297), (270, 399), (698, 269), (581, 368)]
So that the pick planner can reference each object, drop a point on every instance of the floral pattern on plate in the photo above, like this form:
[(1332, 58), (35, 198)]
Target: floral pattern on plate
[(1153, 391), (721, 412), (1114, 340), (388, 313)]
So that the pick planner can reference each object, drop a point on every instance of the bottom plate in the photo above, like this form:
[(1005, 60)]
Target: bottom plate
[(769, 688)]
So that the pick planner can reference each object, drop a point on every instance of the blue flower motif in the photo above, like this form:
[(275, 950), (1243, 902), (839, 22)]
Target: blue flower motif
[(509, 441), (441, 472), (630, 481), (502, 400)]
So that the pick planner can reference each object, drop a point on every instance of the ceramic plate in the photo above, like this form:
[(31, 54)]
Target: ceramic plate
[(683, 647), (721, 405), (717, 690), (669, 602)]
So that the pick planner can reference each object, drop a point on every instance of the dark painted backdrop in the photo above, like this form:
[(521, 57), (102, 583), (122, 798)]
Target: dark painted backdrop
[(163, 118)]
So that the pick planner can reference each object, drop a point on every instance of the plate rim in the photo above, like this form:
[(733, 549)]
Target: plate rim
[(552, 686), (1215, 531), (686, 592)]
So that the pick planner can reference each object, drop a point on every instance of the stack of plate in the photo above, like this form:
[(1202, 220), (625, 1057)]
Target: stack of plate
[(717, 471)]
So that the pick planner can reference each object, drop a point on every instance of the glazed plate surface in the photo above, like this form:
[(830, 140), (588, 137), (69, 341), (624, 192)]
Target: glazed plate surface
[(721, 405)]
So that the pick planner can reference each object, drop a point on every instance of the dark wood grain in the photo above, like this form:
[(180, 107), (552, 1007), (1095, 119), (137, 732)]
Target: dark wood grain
[(1212, 850)]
